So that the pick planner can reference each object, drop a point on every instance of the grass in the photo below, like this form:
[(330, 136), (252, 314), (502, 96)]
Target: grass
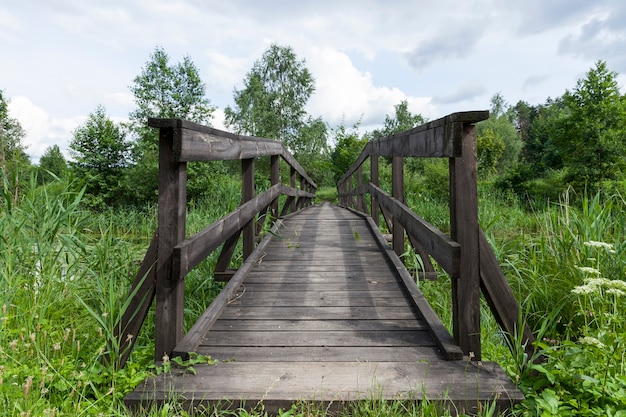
[(65, 273)]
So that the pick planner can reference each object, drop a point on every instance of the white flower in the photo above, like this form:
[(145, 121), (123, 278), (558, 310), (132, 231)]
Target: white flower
[(588, 270), (591, 341), (618, 293), (595, 244), (583, 289)]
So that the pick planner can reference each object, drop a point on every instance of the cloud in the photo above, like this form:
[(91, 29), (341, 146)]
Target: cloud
[(450, 44), (534, 81), (344, 93), (42, 131), (466, 92), (598, 39), (538, 16)]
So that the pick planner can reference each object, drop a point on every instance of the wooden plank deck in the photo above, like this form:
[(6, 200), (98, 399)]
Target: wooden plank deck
[(327, 314)]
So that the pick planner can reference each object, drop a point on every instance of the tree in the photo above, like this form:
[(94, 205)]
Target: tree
[(498, 140), (14, 162), (52, 164), (168, 91), (272, 102), (101, 155), (348, 147), (593, 138), (401, 121)]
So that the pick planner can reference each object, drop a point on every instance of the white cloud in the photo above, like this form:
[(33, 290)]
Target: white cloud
[(42, 131), (344, 92)]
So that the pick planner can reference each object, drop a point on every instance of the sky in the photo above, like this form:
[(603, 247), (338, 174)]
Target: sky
[(60, 59)]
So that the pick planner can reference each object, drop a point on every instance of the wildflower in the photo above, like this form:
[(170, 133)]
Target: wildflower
[(617, 284), (616, 292), (57, 346), (13, 344), (588, 270), (592, 341), (583, 289), (165, 358), (129, 337), (595, 244)]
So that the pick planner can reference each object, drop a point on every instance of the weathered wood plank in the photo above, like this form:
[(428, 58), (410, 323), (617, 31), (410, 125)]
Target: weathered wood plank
[(438, 138), (192, 339), (280, 325), (320, 313), (441, 335), (266, 284), (356, 339), (195, 142), (464, 230), (278, 385), (500, 297), (196, 248), (170, 287), (142, 292), (320, 353), (441, 247)]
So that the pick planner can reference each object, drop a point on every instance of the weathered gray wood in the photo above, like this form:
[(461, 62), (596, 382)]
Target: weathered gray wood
[(439, 138), (278, 385), (170, 287), (247, 194), (464, 229), (193, 337), (500, 298), (142, 292), (320, 353), (356, 339), (374, 180), (321, 313), (440, 246), (196, 248), (288, 325), (194, 142), (441, 335), (397, 192), (274, 179)]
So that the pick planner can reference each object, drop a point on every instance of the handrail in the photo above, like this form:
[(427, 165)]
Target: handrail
[(453, 137), (171, 255)]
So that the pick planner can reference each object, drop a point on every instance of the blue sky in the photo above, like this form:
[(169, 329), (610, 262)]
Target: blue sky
[(62, 58)]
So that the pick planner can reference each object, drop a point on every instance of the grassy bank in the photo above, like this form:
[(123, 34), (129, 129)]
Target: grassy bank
[(65, 273)]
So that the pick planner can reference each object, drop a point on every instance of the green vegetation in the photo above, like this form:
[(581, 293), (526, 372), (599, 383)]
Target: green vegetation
[(552, 187)]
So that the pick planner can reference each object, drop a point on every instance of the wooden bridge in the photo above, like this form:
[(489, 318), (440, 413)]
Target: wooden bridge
[(322, 309)]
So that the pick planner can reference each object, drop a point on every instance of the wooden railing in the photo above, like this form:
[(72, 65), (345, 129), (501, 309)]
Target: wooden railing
[(171, 255), (465, 255)]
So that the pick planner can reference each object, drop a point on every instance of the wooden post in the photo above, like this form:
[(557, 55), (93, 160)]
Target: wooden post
[(464, 229), (374, 180), (275, 179), (397, 192), (361, 206), (292, 182), (170, 288), (247, 194)]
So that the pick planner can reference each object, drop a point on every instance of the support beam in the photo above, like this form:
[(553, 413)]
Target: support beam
[(465, 230), (397, 192), (170, 287)]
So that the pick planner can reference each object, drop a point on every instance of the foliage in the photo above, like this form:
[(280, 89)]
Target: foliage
[(100, 153), (348, 147), (498, 142), (14, 163), (402, 120), (273, 100), (52, 165), (164, 90), (593, 140)]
